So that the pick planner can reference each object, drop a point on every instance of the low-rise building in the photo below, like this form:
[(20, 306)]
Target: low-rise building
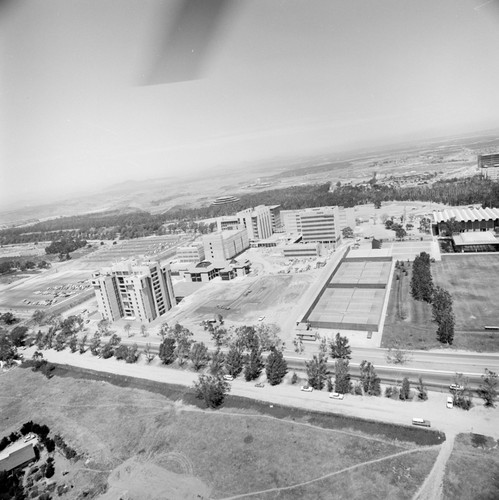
[(488, 165), (297, 250), (192, 253), (226, 270), (16, 455)]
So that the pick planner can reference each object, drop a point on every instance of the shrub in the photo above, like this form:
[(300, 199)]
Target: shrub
[(294, 378), (357, 389), (388, 392)]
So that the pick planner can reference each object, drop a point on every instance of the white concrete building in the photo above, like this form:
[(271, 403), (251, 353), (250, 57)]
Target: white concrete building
[(134, 291), (192, 253), (223, 245), (257, 221)]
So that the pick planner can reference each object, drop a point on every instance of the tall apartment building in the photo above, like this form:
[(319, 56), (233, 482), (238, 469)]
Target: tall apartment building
[(291, 221), (257, 221), (224, 245), (275, 218), (135, 291), (489, 166), (321, 224), (192, 253)]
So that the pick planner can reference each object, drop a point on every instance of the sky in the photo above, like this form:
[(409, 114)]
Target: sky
[(85, 102)]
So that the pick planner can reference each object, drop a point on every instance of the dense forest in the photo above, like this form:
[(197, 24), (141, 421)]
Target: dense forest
[(140, 223)]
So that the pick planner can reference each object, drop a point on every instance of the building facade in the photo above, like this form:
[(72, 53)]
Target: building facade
[(298, 250), (257, 221), (466, 219), (223, 245), (134, 291), (291, 221), (321, 225), (192, 253), (488, 165)]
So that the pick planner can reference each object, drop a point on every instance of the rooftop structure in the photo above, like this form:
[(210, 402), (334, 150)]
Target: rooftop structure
[(257, 221), (302, 250), (470, 219), (475, 242), (17, 455), (134, 291), (206, 271)]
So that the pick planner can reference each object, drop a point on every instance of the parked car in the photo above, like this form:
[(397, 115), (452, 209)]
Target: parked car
[(261, 318), (260, 384), (456, 387), (450, 402), (336, 395), (421, 421), (307, 388), (228, 377)]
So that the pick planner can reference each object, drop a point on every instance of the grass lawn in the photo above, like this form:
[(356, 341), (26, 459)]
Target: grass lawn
[(223, 454), (472, 282), (472, 470)]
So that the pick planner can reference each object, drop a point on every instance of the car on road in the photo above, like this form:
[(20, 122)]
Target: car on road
[(260, 384), (450, 402), (456, 387), (261, 318), (336, 395), (228, 377), (421, 421), (307, 388)]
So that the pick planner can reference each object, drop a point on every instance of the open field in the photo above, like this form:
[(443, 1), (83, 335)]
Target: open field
[(472, 470), (119, 428), (471, 280)]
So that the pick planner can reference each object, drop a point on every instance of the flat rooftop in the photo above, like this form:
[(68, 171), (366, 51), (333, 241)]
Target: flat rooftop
[(364, 272), (475, 238)]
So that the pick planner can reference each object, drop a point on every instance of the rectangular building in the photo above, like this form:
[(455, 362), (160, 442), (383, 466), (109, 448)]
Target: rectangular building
[(275, 218), (223, 245), (291, 221), (134, 291), (488, 165), (257, 221), (297, 250), (192, 253), (321, 224)]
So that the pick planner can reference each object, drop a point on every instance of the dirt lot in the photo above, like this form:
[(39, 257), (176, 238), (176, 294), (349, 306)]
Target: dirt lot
[(146, 445), (471, 280)]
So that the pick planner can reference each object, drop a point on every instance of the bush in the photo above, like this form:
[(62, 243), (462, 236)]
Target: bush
[(49, 472), (388, 392), (357, 389), (294, 378), (50, 445)]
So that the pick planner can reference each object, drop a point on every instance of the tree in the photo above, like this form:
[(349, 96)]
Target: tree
[(103, 326), (339, 347), (219, 334), (107, 351), (443, 315), (294, 378), (82, 344), (7, 350), (127, 329), (163, 331), (347, 232), (132, 354), (396, 355), (298, 344), (488, 388), (38, 317), (234, 361), (422, 281), (73, 343), (275, 367), (369, 379), (254, 365), (143, 330), (167, 350), (212, 390), (268, 336), (199, 355), (462, 395), (18, 335), (422, 392), (148, 354), (317, 371), (95, 345), (60, 341), (400, 232), (121, 352), (342, 383), (8, 318), (405, 391), (451, 226), (217, 362)]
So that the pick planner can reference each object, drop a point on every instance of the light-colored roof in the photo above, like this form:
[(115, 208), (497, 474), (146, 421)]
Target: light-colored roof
[(16, 454), (475, 238), (466, 214)]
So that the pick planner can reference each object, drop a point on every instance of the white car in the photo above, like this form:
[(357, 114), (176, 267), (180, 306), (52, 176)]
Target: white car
[(336, 395), (228, 377), (456, 387), (307, 388), (450, 402), (261, 318)]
